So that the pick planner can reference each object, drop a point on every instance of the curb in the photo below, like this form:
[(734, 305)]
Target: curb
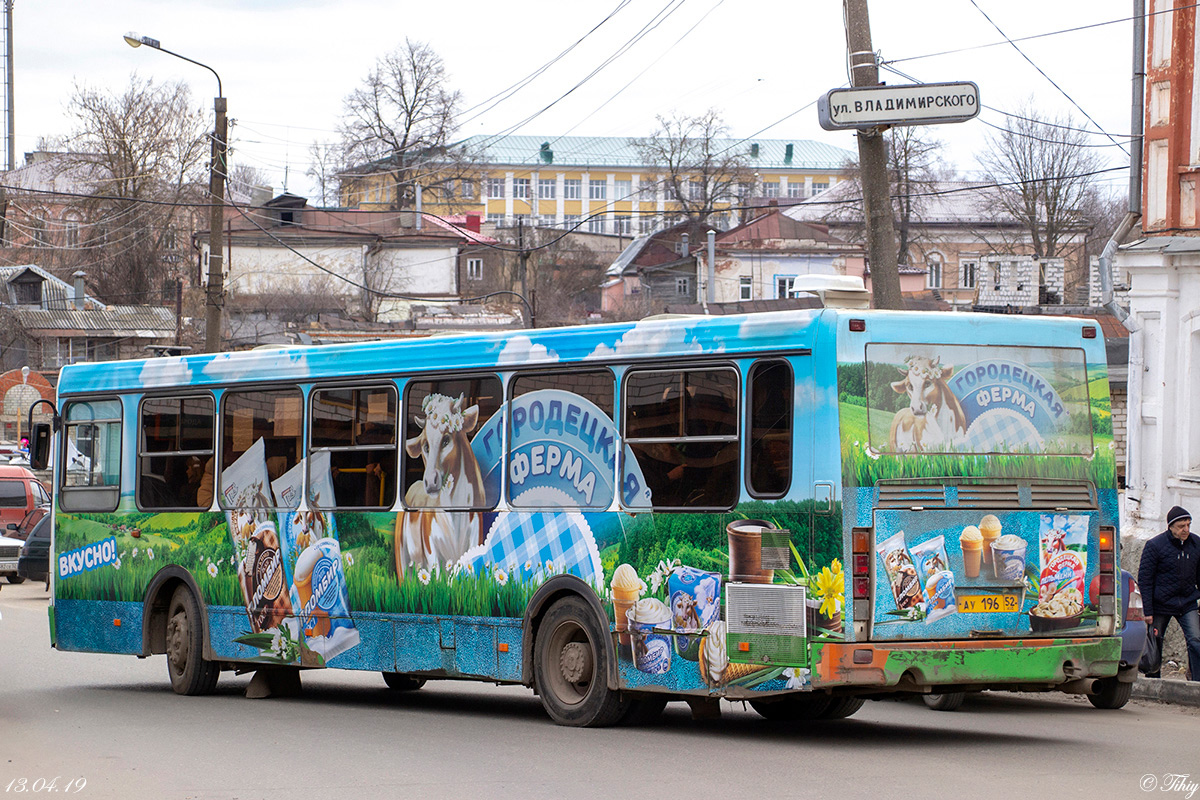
[(1185, 693)]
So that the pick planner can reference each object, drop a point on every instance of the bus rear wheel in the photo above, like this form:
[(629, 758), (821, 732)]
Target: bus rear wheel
[(802, 707), (946, 701), (190, 672), (571, 665), (399, 682), (1112, 694)]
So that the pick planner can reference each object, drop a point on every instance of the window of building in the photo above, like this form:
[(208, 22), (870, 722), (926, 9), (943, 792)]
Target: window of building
[(545, 220), (681, 426), (795, 190), (474, 269), (571, 221), (746, 288), (29, 293), (683, 286), (546, 188), (595, 225), (783, 286), (623, 190), (997, 275), (260, 443), (352, 448), (820, 186), (495, 188), (441, 419), (496, 219), (67, 350), (769, 468), (597, 189), (466, 189), (967, 274), (695, 190), (572, 189), (37, 231), (622, 224), (770, 189), (175, 452), (71, 235), (520, 188), (522, 220), (91, 473), (552, 418), (646, 191), (933, 267)]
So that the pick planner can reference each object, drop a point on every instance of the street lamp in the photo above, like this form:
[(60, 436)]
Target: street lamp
[(216, 188)]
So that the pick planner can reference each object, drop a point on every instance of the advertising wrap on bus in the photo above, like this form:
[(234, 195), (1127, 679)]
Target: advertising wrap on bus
[(725, 507), (957, 439)]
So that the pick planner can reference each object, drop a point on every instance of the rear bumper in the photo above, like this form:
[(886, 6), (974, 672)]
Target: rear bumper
[(1043, 663)]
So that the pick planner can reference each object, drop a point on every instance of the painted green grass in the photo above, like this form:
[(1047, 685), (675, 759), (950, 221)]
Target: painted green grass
[(861, 469), (492, 594), (191, 541)]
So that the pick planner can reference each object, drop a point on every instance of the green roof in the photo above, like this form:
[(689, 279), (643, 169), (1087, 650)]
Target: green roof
[(618, 151)]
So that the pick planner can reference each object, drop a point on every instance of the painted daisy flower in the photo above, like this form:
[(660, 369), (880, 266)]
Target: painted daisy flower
[(501, 577), (423, 577), (117, 564), (278, 646), (135, 551), (795, 678), (150, 552), (349, 559), (212, 570)]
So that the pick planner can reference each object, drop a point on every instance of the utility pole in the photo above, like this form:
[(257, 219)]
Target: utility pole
[(872, 161), (215, 300), (524, 270), (8, 83)]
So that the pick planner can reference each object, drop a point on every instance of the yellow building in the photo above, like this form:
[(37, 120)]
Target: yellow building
[(597, 184)]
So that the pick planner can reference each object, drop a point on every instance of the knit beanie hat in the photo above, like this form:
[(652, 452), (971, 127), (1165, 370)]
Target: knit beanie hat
[(1175, 514)]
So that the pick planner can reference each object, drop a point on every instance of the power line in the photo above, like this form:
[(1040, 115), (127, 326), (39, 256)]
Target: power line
[(1042, 72)]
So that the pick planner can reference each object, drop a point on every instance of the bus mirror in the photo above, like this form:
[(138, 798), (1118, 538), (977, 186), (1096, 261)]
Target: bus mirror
[(39, 445)]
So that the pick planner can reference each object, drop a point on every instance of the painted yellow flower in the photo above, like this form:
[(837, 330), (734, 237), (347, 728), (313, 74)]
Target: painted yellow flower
[(831, 585)]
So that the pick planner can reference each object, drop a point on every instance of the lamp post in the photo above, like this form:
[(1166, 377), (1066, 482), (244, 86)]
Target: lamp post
[(215, 289)]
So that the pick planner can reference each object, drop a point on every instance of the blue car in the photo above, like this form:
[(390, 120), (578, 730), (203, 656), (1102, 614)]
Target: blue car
[(1109, 692)]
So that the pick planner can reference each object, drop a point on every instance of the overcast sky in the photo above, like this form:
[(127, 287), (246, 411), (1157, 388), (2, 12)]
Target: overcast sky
[(286, 66)]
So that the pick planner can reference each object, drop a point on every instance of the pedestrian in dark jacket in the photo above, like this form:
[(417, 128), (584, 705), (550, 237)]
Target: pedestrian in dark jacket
[(1169, 577)]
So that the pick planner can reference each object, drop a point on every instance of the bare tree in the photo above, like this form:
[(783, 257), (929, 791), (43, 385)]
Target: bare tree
[(325, 161), (914, 168), (700, 171), (142, 155), (244, 179), (400, 121), (1045, 169)]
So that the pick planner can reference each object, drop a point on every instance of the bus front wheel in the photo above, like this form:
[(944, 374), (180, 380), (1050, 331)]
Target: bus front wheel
[(570, 667), (399, 682), (190, 672)]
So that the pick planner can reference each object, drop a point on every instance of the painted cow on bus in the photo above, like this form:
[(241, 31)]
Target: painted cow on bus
[(934, 419)]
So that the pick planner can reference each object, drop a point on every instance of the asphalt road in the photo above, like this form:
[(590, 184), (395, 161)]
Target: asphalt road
[(114, 722)]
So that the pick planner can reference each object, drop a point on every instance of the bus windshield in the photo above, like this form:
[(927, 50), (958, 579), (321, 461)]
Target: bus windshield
[(977, 399)]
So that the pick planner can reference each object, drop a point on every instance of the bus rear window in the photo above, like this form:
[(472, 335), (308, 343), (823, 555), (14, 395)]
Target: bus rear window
[(922, 398)]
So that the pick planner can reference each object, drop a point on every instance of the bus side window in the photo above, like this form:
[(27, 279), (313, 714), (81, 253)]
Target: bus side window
[(441, 419), (260, 441), (769, 473), (681, 426), (352, 448), (91, 472), (175, 451), (569, 443)]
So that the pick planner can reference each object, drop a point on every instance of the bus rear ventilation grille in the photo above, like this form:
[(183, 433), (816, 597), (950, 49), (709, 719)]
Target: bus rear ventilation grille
[(989, 495), (900, 495), (1061, 495)]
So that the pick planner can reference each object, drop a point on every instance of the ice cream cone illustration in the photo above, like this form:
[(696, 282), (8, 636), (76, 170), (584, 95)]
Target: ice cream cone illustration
[(627, 588), (989, 526), (971, 541)]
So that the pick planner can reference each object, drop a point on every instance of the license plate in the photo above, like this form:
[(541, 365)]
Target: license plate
[(8, 566), (988, 603)]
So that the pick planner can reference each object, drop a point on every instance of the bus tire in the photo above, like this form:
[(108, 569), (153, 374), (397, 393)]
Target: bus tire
[(793, 707), (946, 701), (842, 707), (190, 672), (644, 710), (15, 578), (571, 666), (400, 682), (1111, 694)]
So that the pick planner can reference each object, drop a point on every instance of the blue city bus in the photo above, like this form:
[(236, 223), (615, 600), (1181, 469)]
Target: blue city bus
[(797, 509)]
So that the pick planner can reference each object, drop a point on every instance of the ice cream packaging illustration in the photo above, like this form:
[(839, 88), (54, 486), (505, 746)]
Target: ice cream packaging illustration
[(901, 573), (695, 599), (934, 573)]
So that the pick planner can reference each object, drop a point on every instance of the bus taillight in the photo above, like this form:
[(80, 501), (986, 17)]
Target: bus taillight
[(1108, 561), (860, 572)]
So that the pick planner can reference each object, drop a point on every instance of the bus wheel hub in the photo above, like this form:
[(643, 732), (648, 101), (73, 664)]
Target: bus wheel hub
[(575, 662)]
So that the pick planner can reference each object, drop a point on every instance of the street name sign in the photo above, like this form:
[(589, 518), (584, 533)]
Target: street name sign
[(877, 106)]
